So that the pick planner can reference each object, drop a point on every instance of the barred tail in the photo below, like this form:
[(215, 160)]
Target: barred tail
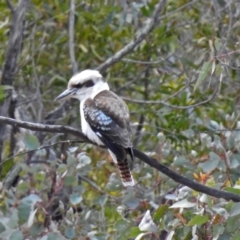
[(125, 173)]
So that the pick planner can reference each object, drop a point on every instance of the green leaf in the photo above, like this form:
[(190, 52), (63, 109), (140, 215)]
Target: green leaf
[(232, 190), (70, 233), (2, 227), (70, 181), (232, 224), (180, 161), (217, 229), (23, 187), (132, 203), (189, 133), (135, 231), (36, 229), (198, 220), (24, 211), (121, 225), (101, 200), (83, 160), (31, 142), (55, 236), (160, 212), (206, 68), (75, 198), (13, 220), (211, 164), (217, 44), (26, 205), (235, 209), (236, 235), (31, 199), (17, 235)]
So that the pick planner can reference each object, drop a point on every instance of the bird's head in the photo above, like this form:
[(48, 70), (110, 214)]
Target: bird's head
[(83, 85)]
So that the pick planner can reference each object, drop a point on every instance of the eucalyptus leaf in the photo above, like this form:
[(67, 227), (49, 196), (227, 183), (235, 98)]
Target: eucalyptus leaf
[(70, 233), (83, 160), (206, 68), (183, 204), (198, 220), (31, 142), (160, 212), (121, 225), (75, 198), (17, 235), (235, 209), (210, 164), (2, 227)]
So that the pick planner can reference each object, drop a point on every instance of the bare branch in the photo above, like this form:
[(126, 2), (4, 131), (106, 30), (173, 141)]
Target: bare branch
[(137, 39), (143, 157), (10, 64), (10, 5), (173, 106), (71, 37), (44, 127), (144, 62)]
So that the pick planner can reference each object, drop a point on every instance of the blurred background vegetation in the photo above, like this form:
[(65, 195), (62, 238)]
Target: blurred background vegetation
[(182, 88)]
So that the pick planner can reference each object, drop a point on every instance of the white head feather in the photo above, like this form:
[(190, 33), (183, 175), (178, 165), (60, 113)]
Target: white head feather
[(83, 85)]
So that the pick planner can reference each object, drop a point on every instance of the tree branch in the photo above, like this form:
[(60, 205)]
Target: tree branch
[(10, 64), (44, 127), (143, 157), (71, 37), (137, 39), (173, 106), (10, 5)]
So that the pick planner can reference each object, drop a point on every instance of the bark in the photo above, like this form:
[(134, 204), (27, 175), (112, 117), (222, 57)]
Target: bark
[(11, 61)]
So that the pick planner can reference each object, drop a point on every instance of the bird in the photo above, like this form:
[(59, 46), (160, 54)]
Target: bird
[(105, 118)]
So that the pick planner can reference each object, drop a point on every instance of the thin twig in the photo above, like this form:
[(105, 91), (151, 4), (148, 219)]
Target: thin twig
[(170, 105), (144, 62), (143, 157), (10, 5), (91, 183), (224, 55), (136, 78), (137, 39), (71, 36)]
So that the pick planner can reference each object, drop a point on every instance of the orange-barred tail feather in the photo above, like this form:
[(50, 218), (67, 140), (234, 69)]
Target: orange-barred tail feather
[(125, 173)]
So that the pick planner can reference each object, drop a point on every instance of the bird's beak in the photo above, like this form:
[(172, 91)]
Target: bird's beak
[(66, 94)]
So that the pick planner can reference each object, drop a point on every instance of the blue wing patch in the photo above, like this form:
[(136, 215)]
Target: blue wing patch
[(103, 121)]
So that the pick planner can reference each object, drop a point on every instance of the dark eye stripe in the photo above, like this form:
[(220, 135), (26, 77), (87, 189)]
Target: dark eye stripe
[(87, 84)]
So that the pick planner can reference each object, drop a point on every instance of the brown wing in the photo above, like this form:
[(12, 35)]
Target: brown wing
[(108, 116)]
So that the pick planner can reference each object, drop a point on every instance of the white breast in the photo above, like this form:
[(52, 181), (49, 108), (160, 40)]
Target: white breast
[(86, 129)]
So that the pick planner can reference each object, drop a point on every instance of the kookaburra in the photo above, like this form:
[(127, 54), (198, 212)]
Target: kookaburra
[(104, 118)]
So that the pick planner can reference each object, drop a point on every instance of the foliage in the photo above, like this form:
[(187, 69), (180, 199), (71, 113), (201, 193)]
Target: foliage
[(189, 65)]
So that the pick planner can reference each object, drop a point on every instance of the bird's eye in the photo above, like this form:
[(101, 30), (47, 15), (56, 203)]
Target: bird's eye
[(88, 83), (79, 85)]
